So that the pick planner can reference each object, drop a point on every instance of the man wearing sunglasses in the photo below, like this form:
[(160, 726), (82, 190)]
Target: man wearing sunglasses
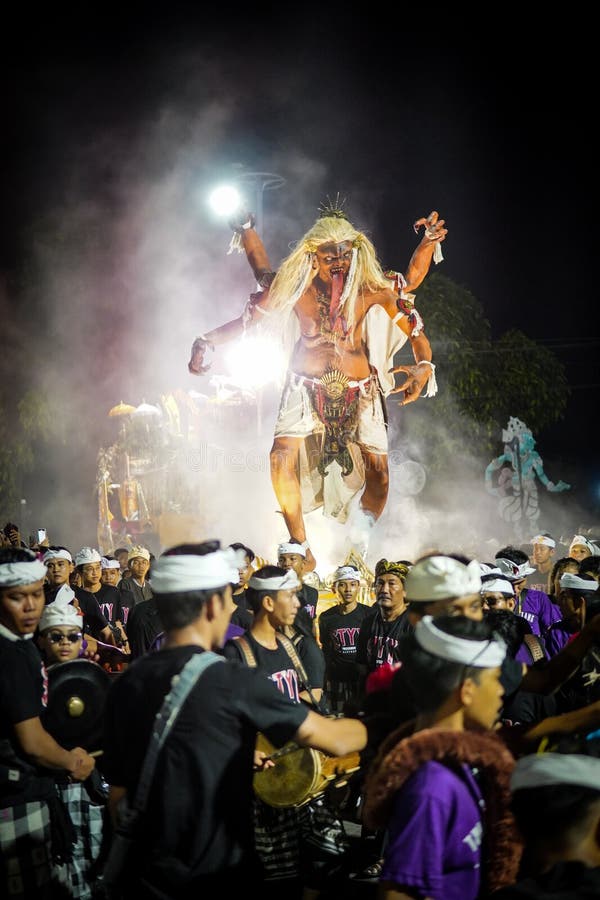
[(60, 635), (60, 640), (497, 593)]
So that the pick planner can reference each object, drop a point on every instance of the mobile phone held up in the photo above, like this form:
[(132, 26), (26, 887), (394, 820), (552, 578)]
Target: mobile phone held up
[(41, 535)]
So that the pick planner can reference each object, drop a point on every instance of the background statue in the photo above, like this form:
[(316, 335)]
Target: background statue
[(516, 485)]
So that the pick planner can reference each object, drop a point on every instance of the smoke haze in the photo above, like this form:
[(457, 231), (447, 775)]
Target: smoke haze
[(126, 265)]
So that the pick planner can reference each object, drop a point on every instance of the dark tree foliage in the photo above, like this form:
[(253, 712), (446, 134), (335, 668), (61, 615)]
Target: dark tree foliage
[(481, 383)]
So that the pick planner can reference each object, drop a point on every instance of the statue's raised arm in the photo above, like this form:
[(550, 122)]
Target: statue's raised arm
[(428, 249), (246, 239)]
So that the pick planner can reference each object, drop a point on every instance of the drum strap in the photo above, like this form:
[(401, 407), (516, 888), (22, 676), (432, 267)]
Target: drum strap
[(129, 815), (249, 656), (181, 685), (293, 655), (534, 646), (290, 649)]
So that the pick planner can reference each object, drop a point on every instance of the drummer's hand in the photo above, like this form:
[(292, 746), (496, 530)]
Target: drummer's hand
[(262, 761), (89, 653), (82, 764)]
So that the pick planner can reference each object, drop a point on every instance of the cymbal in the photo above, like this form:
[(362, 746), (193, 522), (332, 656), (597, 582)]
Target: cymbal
[(121, 409), (76, 695)]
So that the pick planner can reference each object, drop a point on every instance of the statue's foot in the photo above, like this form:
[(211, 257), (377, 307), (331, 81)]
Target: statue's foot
[(359, 546), (361, 528)]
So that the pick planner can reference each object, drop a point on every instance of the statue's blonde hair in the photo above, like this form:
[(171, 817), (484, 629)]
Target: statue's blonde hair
[(297, 270)]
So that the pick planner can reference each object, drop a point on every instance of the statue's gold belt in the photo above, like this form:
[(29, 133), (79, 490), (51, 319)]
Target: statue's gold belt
[(335, 400), (333, 382)]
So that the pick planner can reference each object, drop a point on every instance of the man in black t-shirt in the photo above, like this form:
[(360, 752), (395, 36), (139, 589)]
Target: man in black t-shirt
[(556, 804), (278, 831), (387, 620), (143, 627), (196, 837), (59, 566), (136, 589), (339, 627), (242, 614), (94, 598), (292, 555)]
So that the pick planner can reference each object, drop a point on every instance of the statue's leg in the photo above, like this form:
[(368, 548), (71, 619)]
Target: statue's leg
[(372, 438), (285, 477), (372, 501), (377, 482)]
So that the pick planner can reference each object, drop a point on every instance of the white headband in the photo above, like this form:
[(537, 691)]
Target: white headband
[(138, 551), (19, 573), (276, 583), (441, 578), (497, 584), (581, 540), (57, 554), (512, 570), (541, 769), (65, 594), (60, 613), (576, 583), (486, 569), (543, 539), (174, 574), (481, 654), (291, 548), (110, 563), (87, 555), (346, 573)]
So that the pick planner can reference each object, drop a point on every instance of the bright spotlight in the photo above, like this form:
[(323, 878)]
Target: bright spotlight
[(255, 361), (225, 200)]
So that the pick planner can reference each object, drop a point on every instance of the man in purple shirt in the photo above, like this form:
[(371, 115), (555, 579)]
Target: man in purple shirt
[(440, 785), (543, 548), (534, 606)]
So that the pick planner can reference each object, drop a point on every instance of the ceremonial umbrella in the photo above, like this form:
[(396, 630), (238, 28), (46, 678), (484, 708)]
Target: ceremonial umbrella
[(122, 409), (147, 409)]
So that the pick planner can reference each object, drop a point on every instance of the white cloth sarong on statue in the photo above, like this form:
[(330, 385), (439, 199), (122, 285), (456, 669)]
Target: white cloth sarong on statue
[(335, 491)]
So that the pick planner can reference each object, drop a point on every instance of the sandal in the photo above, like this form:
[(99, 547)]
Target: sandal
[(372, 871)]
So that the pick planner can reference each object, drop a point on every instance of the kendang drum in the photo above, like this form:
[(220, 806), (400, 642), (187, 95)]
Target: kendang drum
[(300, 774)]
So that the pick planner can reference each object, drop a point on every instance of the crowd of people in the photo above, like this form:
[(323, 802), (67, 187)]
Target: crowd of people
[(433, 733), (441, 740)]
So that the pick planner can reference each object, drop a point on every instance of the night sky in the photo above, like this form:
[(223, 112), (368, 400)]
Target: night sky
[(483, 120)]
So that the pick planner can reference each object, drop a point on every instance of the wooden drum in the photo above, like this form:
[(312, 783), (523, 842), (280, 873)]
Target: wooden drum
[(300, 774)]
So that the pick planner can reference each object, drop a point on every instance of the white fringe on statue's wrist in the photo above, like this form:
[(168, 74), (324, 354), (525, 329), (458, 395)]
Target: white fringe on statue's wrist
[(437, 250), (235, 243), (432, 387)]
